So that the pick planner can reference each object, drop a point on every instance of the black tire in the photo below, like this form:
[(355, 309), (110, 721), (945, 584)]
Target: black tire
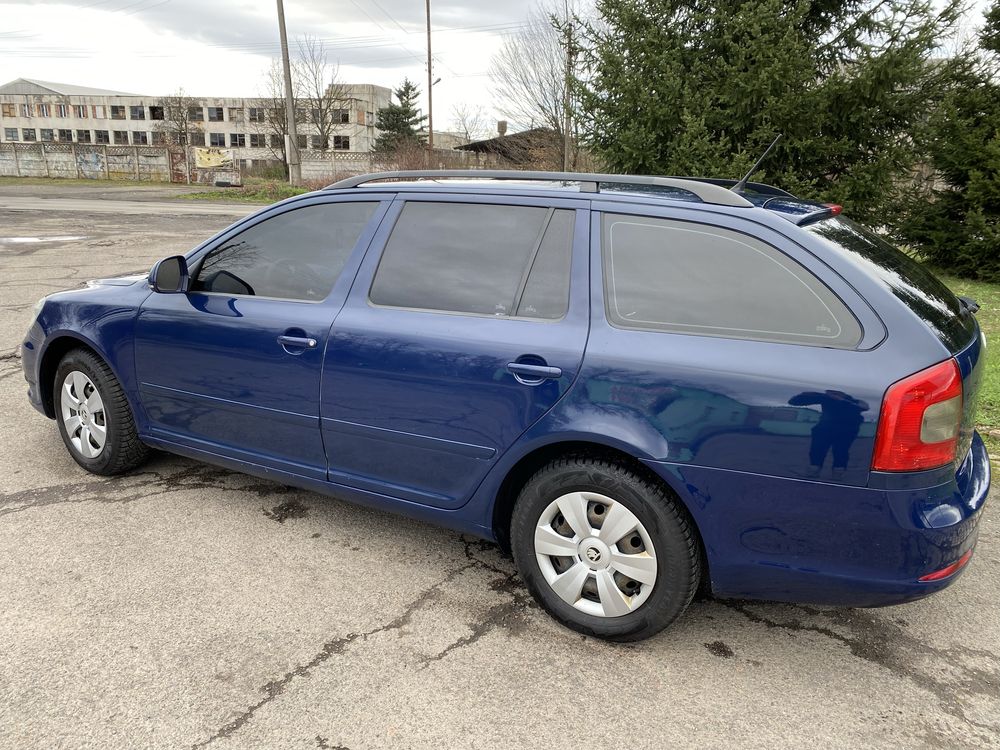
[(675, 544), (122, 450)]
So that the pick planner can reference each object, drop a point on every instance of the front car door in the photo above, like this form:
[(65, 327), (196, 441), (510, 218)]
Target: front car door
[(233, 367), (467, 322)]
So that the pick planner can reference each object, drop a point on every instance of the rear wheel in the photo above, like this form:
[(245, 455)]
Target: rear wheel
[(604, 550), (94, 417)]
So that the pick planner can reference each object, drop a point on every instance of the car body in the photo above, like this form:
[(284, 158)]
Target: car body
[(372, 392)]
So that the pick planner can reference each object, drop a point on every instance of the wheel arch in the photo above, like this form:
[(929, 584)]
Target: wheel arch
[(55, 349), (527, 465)]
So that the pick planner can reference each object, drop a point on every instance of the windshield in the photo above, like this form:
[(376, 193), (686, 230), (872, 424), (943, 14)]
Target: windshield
[(911, 282)]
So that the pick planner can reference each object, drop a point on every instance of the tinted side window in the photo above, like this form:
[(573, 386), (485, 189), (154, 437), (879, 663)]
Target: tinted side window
[(690, 278), (478, 259), (296, 255)]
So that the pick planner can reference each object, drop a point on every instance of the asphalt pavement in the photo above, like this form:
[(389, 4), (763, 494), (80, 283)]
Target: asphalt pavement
[(184, 606)]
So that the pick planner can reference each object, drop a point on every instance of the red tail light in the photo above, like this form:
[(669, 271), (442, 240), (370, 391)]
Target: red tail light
[(921, 416), (949, 571)]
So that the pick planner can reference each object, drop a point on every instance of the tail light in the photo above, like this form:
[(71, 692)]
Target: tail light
[(920, 421)]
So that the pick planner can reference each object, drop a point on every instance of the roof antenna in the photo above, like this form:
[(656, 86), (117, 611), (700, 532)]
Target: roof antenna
[(740, 186)]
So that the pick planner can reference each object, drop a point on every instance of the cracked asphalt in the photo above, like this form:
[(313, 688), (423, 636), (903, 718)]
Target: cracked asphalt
[(184, 606)]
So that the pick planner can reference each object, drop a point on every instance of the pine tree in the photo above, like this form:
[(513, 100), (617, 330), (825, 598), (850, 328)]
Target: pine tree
[(958, 228), (697, 87), (400, 124)]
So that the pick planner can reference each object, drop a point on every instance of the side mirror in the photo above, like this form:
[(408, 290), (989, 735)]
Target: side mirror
[(170, 275)]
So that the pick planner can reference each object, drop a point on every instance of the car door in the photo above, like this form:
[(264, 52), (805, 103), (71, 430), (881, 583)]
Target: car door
[(234, 365), (467, 322)]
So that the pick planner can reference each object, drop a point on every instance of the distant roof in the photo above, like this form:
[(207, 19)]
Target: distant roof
[(516, 147), (35, 87)]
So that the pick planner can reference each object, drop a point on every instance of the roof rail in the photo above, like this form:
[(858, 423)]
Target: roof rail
[(589, 183), (756, 187)]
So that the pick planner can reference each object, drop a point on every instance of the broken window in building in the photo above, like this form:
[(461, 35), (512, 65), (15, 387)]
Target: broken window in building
[(236, 114), (301, 115), (369, 118), (66, 135), (159, 138), (341, 116), (117, 111), (28, 134), (43, 110), (258, 140), (137, 113), (83, 136), (140, 138), (217, 139), (318, 141), (25, 110), (99, 112), (196, 139), (277, 141), (62, 110), (237, 139), (196, 114), (47, 135), (9, 110), (10, 134), (155, 113), (80, 111), (215, 114), (256, 114), (121, 137), (101, 136), (302, 141), (342, 142)]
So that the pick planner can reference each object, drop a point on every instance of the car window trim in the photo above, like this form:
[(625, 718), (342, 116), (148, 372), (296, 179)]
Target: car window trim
[(402, 200), (600, 211), (199, 254)]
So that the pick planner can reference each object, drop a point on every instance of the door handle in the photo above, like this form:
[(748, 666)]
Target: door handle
[(533, 374), (298, 342)]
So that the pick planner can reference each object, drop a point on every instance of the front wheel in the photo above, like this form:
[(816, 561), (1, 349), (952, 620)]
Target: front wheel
[(94, 417), (604, 550)]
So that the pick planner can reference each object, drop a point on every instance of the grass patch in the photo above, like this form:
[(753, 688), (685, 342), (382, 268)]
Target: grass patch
[(988, 297), (102, 183), (254, 190)]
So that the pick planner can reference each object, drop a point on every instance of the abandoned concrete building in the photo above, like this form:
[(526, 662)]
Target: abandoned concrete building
[(34, 111)]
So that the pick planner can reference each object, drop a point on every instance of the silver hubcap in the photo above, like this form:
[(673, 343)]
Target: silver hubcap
[(595, 554), (83, 415)]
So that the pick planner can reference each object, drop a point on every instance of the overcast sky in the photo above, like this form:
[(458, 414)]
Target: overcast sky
[(223, 47)]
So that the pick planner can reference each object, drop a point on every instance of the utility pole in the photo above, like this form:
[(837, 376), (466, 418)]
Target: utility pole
[(567, 116), (430, 84), (292, 136)]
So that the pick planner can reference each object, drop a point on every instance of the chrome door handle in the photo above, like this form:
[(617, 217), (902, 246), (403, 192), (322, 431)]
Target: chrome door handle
[(533, 374), (298, 342)]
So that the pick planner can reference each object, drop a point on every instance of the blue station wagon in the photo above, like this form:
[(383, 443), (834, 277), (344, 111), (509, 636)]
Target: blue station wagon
[(640, 386)]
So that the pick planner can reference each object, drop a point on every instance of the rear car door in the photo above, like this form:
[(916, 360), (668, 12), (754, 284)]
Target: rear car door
[(467, 322), (233, 366)]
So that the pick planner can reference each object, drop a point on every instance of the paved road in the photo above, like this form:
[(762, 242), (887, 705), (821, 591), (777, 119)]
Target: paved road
[(186, 607), (10, 203)]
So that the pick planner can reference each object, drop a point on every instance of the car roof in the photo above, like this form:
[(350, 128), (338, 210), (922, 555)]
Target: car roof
[(645, 188)]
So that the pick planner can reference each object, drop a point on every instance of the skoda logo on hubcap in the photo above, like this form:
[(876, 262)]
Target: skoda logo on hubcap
[(594, 554)]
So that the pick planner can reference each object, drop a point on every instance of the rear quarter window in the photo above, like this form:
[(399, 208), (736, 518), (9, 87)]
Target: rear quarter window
[(682, 277), (908, 280)]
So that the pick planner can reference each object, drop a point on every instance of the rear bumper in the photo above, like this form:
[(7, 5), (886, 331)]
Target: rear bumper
[(810, 542)]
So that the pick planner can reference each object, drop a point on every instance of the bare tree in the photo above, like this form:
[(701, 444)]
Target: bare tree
[(273, 124), (529, 72), (325, 99), (177, 123), (471, 122)]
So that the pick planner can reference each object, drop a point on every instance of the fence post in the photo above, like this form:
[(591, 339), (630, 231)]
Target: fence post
[(76, 163), (17, 165), (107, 168), (45, 159), (135, 162)]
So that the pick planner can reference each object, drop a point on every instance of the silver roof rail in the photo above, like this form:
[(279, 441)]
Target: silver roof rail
[(589, 183)]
